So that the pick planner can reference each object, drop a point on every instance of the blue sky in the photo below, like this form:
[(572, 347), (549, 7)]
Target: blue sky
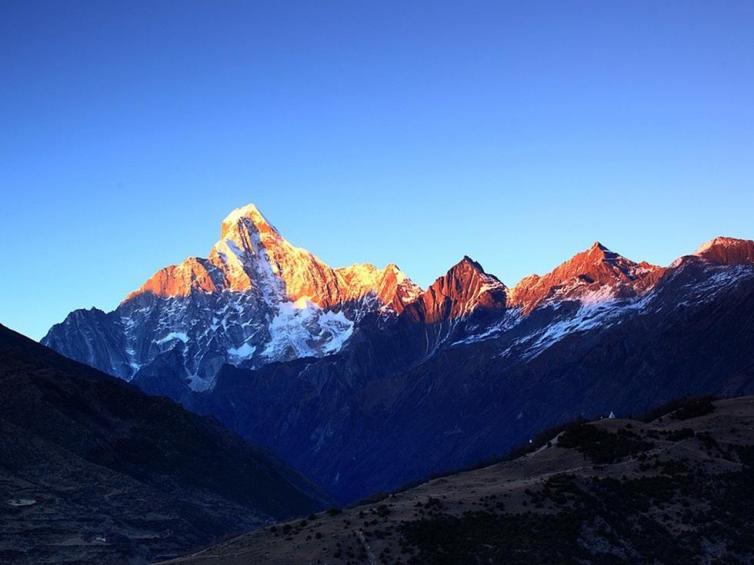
[(408, 132)]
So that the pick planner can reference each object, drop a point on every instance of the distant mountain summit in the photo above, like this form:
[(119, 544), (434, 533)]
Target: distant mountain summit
[(727, 251), (464, 289), (253, 258), (256, 299), (595, 272)]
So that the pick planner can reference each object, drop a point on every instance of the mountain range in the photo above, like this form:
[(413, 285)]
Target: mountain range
[(341, 370)]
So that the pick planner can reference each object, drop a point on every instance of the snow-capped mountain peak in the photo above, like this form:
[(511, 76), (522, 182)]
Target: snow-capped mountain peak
[(255, 299), (258, 299), (252, 253), (594, 269), (246, 217)]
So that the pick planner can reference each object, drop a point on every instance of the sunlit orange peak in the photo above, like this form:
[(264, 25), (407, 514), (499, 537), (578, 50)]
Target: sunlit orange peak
[(243, 216)]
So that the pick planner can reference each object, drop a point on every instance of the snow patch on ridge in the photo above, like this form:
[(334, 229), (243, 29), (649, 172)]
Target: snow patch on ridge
[(511, 319), (241, 353), (340, 329), (302, 329), (597, 310), (172, 336), (721, 278)]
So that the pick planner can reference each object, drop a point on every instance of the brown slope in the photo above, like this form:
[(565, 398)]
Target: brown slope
[(673, 490)]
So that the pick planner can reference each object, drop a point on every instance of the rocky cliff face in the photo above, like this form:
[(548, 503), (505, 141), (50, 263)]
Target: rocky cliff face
[(462, 291)]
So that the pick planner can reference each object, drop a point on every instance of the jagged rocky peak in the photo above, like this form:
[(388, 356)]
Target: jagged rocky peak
[(390, 286), (252, 255), (251, 250), (244, 220), (600, 263), (727, 251), (463, 290), (396, 289), (469, 270), (595, 272), (467, 281), (193, 274)]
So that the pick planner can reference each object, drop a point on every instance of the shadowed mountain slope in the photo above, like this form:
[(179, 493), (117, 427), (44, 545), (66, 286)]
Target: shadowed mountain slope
[(94, 471)]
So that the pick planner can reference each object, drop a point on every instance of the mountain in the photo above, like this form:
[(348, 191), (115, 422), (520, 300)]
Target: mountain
[(256, 299), (596, 273), (423, 394), (465, 295), (674, 489), (464, 289), (94, 471), (338, 371)]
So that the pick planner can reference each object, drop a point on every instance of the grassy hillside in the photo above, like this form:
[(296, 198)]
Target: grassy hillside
[(676, 489)]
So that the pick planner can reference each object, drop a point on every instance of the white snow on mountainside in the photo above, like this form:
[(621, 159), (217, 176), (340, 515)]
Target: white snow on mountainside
[(256, 299)]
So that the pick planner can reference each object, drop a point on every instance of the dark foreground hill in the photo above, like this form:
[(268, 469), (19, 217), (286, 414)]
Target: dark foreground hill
[(677, 489), (94, 471)]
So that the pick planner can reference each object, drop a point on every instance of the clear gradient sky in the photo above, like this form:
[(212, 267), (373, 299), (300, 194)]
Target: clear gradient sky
[(408, 132)]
